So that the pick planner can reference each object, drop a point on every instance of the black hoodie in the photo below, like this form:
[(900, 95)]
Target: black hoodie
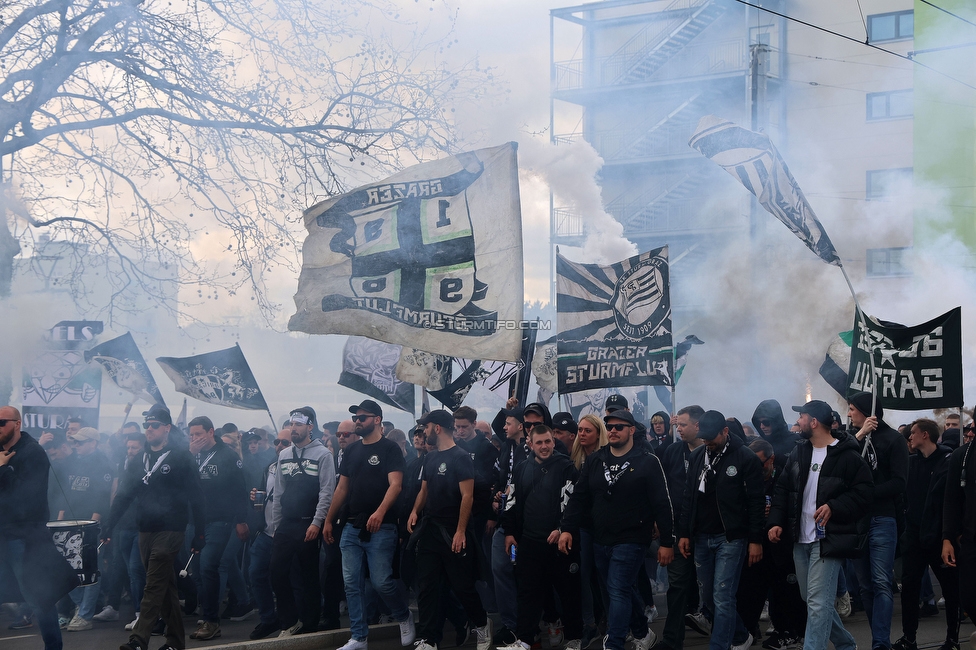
[(660, 445), (541, 491), (924, 500), (781, 438)]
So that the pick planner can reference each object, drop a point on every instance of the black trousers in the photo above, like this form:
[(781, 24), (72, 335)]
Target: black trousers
[(540, 569), (438, 564), (913, 563), (683, 597), (333, 590), (773, 577), (285, 549), (966, 563)]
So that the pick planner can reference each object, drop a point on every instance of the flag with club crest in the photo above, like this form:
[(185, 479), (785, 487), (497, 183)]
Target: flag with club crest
[(423, 259), (124, 364), (369, 367), (752, 159), (222, 377), (431, 371)]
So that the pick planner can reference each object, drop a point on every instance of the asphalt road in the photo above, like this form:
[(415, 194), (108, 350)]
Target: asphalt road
[(108, 636)]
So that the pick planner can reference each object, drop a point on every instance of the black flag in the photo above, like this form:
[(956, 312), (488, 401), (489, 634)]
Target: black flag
[(222, 377), (369, 367), (125, 366)]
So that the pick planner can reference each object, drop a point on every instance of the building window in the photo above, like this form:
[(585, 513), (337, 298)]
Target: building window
[(888, 184), (893, 26), (889, 105), (888, 262)]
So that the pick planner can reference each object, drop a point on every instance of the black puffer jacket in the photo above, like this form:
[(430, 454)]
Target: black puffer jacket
[(925, 497), (891, 474), (781, 438), (845, 485)]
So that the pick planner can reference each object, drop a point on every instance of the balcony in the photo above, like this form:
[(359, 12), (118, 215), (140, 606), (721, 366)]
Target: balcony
[(567, 226)]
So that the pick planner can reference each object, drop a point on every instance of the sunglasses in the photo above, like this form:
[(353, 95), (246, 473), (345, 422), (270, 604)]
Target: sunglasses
[(765, 423), (152, 425), (345, 434), (617, 427), (278, 443), (3, 423), (362, 418)]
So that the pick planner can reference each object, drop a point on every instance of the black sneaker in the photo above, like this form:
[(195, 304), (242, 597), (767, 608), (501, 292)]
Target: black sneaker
[(504, 637), (462, 634), (132, 644), (772, 641), (928, 609), (159, 629), (263, 630), (22, 624), (904, 644)]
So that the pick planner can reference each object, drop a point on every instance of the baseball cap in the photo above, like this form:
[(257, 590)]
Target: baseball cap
[(710, 424), (564, 422), (820, 410), (158, 413), (440, 417), (614, 402), (536, 408), (621, 414), (367, 405), (84, 434), (514, 413)]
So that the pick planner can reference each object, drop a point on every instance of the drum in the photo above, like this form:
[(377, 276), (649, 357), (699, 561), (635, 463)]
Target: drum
[(77, 541)]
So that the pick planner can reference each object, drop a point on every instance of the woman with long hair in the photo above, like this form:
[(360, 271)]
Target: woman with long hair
[(592, 435)]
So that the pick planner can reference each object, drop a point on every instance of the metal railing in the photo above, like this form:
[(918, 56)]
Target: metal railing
[(568, 222)]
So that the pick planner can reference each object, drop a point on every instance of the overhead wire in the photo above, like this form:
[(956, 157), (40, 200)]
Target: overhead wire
[(865, 43), (935, 6), (863, 21)]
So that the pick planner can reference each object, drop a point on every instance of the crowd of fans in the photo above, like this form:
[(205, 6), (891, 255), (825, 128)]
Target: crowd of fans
[(563, 530)]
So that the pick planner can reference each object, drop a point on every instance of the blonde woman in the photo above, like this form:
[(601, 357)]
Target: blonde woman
[(591, 435)]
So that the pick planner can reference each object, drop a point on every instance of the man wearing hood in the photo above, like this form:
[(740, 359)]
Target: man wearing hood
[(771, 425), (820, 506), (886, 453), (542, 486), (660, 433)]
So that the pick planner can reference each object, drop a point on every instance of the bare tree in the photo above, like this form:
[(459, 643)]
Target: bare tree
[(129, 129)]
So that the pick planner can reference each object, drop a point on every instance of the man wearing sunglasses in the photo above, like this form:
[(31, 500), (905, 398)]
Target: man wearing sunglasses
[(164, 483), (623, 487), (772, 427), (346, 433)]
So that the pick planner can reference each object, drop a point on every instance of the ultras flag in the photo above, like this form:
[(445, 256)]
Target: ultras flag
[(429, 258), (222, 377), (369, 367), (614, 323), (124, 364), (752, 159)]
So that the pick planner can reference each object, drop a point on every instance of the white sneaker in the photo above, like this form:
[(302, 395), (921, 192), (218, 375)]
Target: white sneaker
[(745, 645), (650, 613), (132, 625), (647, 642), (108, 613), (555, 633), (354, 644), (575, 644), (422, 644), (518, 645), (78, 624), (484, 636), (408, 631), (292, 631)]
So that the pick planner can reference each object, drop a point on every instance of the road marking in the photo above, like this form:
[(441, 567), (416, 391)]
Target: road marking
[(22, 636)]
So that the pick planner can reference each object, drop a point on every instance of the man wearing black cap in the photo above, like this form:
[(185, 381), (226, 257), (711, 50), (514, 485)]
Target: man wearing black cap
[(165, 487), (624, 489), (886, 452), (614, 402), (565, 428), (723, 513), (304, 482), (443, 541), (820, 505), (370, 480)]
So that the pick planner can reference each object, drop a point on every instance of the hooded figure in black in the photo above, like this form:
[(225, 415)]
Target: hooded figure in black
[(772, 427)]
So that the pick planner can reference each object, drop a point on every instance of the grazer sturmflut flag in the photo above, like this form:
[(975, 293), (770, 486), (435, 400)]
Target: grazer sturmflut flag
[(222, 377), (124, 364), (752, 159), (916, 368), (614, 323), (369, 367), (430, 258)]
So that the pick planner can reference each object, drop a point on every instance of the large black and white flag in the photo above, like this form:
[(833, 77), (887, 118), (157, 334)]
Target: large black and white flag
[(429, 258), (222, 377), (454, 394), (916, 368), (124, 364), (369, 367), (614, 323), (431, 371), (752, 159)]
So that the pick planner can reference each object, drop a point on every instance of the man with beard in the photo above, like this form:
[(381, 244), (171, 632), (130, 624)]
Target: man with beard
[(886, 453), (772, 427), (820, 507), (370, 478), (542, 486), (304, 482), (624, 488)]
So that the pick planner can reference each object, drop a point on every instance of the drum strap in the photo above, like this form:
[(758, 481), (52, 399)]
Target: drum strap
[(150, 472)]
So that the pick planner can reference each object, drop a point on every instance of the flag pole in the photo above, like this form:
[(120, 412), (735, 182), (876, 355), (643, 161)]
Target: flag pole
[(672, 429), (128, 407), (864, 327), (268, 411)]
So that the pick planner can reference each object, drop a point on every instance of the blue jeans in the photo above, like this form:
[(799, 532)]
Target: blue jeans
[(378, 556), (817, 578), (47, 620), (128, 541), (86, 598), (875, 575), (208, 575), (618, 565), (718, 562), (260, 575), (503, 573), (231, 571)]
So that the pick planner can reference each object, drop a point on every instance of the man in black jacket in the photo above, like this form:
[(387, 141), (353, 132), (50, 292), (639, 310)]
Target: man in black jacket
[(226, 501), (772, 427), (723, 513), (165, 486), (959, 524), (542, 486), (921, 543), (624, 488), (820, 506), (886, 453)]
